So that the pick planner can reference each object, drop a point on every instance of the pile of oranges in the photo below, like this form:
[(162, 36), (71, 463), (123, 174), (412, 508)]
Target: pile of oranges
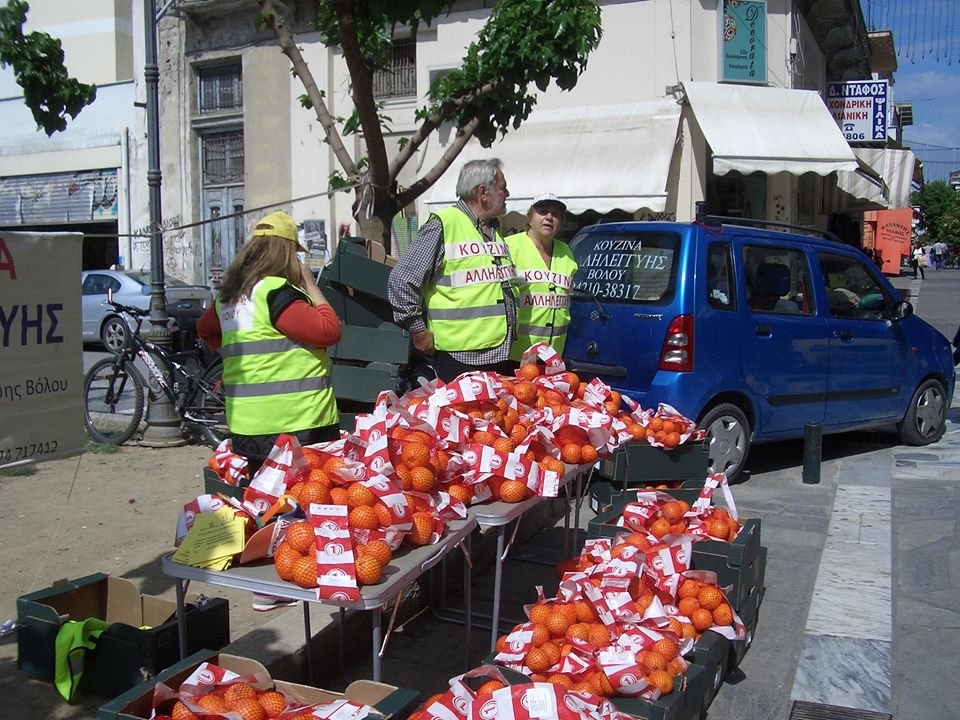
[(670, 519), (559, 628), (294, 558), (704, 605), (240, 698)]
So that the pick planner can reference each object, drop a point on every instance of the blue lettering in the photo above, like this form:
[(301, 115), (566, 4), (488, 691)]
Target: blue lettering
[(26, 324)]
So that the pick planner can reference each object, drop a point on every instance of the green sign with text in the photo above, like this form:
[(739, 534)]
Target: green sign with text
[(744, 47)]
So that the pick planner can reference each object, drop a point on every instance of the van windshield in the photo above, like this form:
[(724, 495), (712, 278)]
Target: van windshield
[(627, 267)]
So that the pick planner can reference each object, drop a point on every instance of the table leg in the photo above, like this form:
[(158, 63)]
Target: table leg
[(578, 498), (182, 617), (377, 641), (308, 636), (467, 609), (497, 580), (566, 521)]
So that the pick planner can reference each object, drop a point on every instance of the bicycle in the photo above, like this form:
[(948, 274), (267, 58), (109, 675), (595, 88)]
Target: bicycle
[(114, 388)]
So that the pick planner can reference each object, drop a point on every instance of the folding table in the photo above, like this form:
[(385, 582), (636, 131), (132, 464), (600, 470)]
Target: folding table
[(405, 567)]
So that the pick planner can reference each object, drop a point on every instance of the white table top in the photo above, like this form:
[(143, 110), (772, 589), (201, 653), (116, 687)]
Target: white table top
[(499, 513), (408, 564)]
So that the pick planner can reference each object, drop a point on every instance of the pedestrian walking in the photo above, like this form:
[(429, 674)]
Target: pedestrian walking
[(545, 266), (918, 261), (453, 289), (939, 254)]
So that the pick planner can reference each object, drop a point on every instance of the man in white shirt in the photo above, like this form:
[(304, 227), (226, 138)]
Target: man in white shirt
[(939, 254)]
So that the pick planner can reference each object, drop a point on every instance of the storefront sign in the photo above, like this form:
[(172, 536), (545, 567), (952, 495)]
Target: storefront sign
[(860, 109), (41, 352), (743, 50)]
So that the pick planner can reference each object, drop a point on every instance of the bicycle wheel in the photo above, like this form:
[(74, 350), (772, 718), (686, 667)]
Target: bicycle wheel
[(112, 401), (208, 410)]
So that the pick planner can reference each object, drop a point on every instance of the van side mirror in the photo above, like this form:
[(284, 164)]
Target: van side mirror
[(902, 310)]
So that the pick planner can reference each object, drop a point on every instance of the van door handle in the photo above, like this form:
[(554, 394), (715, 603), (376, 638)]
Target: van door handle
[(843, 334), (763, 330)]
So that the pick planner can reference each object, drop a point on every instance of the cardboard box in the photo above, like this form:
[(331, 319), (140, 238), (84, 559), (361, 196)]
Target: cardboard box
[(391, 702), (684, 703), (124, 653), (639, 462)]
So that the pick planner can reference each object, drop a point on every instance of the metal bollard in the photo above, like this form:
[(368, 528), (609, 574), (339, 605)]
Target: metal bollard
[(812, 445)]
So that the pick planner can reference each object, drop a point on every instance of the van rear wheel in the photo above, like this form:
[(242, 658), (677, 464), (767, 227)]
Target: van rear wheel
[(926, 416), (728, 439)]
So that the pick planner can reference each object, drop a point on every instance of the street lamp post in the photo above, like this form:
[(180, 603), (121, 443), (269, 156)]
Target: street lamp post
[(163, 426)]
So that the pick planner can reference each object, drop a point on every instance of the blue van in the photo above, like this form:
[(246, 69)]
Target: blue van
[(754, 332)]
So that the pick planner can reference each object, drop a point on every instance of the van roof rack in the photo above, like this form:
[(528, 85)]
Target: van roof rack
[(753, 222)]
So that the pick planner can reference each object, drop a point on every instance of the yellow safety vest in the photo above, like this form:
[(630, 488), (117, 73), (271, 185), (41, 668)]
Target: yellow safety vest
[(271, 383), (465, 309), (543, 308)]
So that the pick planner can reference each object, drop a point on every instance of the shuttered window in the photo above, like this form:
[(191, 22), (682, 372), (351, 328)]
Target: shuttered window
[(220, 88)]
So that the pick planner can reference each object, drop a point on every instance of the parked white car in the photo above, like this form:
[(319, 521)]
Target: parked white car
[(101, 323)]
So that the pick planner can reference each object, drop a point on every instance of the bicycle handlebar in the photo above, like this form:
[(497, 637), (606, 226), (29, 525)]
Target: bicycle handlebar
[(129, 309)]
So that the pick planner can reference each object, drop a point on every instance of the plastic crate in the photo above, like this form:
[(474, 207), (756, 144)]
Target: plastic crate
[(639, 462), (605, 495), (212, 484), (738, 565), (684, 703), (712, 653), (750, 613)]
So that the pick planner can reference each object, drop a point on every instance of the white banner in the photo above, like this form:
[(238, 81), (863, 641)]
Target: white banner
[(41, 353)]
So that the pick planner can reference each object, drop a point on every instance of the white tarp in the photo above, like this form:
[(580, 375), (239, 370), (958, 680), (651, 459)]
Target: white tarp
[(597, 158), (41, 353), (768, 130), (896, 169)]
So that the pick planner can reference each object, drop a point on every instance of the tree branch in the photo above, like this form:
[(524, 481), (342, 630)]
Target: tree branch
[(432, 122), (464, 134), (289, 48), (361, 77)]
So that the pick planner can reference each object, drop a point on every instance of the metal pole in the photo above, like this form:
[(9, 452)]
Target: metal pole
[(163, 426), (812, 447)]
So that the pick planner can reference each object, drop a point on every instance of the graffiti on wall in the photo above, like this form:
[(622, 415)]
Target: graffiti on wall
[(59, 198), (180, 257)]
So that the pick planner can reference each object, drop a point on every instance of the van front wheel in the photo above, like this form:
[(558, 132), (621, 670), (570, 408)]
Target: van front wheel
[(926, 416), (728, 439)]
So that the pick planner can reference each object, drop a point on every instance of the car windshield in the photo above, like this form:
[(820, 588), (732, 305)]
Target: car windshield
[(627, 267), (144, 278)]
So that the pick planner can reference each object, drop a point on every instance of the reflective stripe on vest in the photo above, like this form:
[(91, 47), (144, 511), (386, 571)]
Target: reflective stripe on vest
[(272, 384), (465, 308), (543, 308)]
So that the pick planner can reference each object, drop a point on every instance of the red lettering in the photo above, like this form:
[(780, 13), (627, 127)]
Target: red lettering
[(6, 260)]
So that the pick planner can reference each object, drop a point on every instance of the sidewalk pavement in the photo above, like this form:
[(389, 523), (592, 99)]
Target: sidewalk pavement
[(862, 607)]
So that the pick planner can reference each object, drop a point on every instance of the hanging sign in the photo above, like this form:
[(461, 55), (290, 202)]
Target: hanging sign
[(743, 46), (860, 109)]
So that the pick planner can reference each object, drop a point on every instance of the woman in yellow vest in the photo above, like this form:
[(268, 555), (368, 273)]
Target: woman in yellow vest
[(546, 267), (272, 326)]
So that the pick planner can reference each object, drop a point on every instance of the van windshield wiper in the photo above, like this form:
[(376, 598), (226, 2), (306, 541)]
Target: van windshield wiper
[(580, 293)]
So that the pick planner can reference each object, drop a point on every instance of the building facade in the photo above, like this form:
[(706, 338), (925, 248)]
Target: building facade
[(87, 178), (640, 136)]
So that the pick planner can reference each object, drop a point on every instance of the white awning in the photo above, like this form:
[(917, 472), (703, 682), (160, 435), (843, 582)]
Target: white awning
[(597, 158), (894, 166), (768, 130)]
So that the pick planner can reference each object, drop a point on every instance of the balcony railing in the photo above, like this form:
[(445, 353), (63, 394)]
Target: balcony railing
[(399, 78)]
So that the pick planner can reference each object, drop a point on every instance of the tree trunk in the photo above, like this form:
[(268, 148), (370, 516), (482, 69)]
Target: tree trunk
[(374, 213)]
